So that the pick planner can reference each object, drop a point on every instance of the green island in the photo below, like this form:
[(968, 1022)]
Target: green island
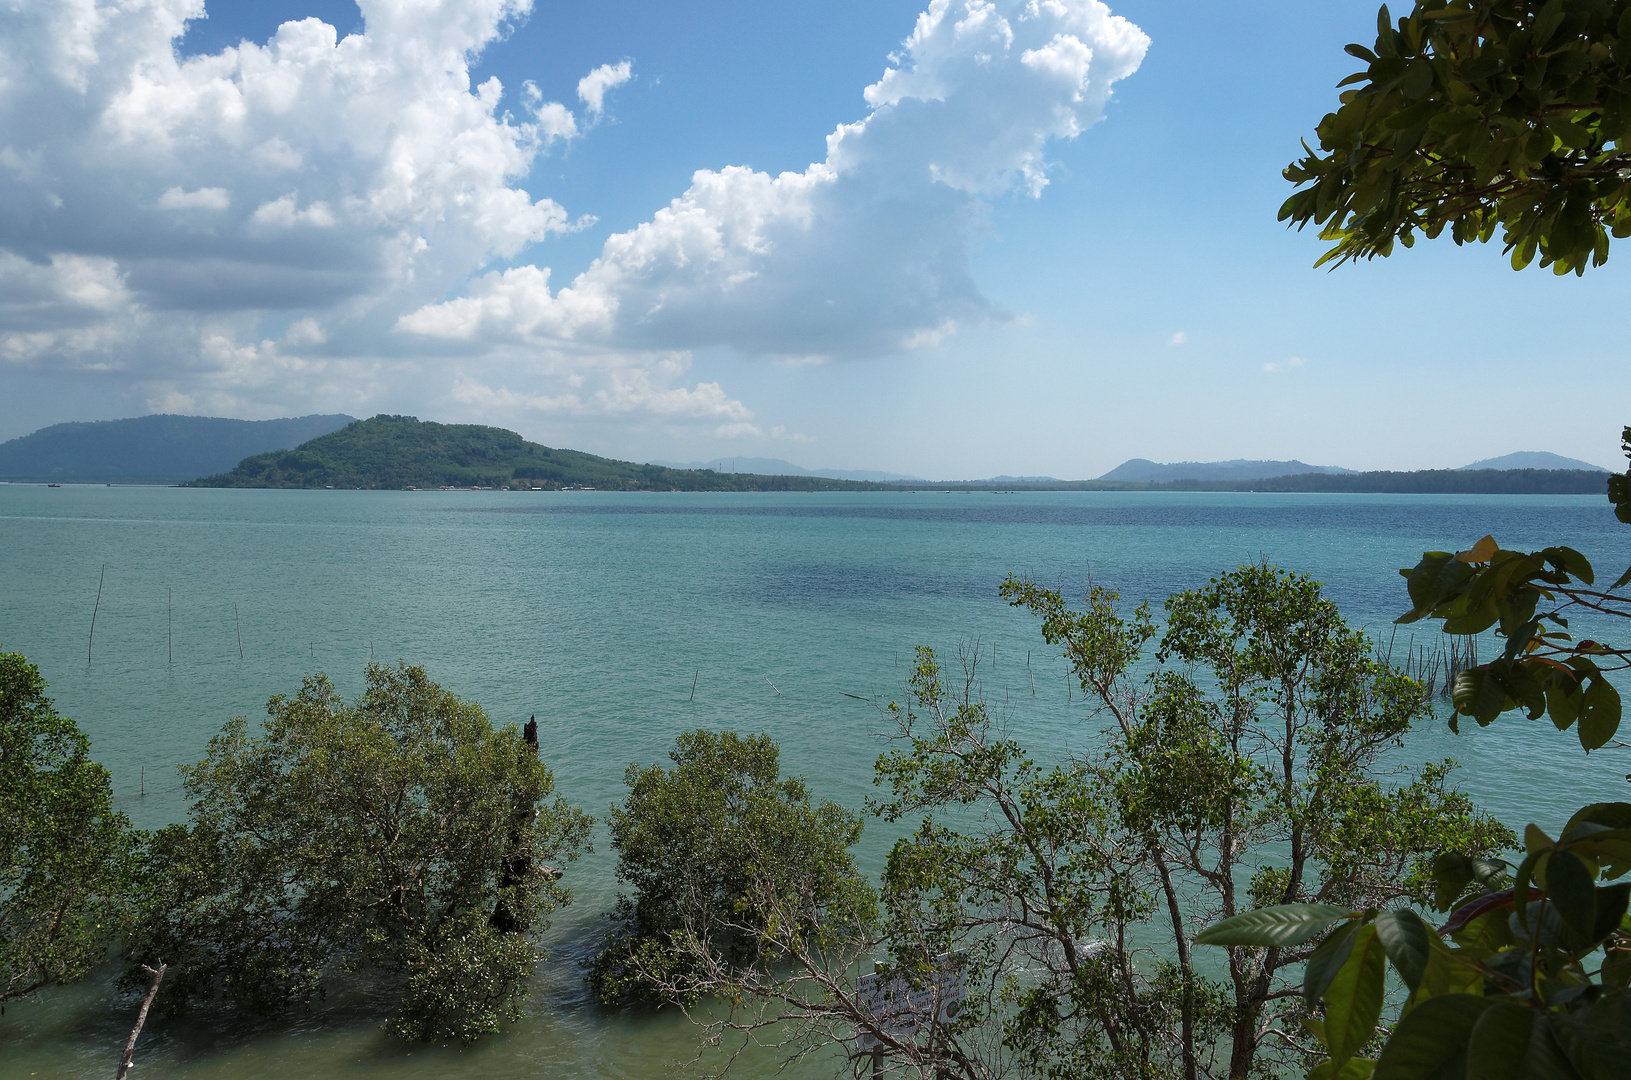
[(395, 452)]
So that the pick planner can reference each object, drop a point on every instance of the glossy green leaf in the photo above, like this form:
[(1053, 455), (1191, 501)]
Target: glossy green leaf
[(1611, 908), (1474, 620), (1498, 1047), (1597, 1038), (1326, 961), (1282, 924), (1478, 695), (1439, 576), (1408, 943), (1351, 1069), (1445, 975), (1513, 1041), (1353, 1001), (1431, 1043), (1520, 884), (1608, 815), (1599, 714), (1574, 562), (1521, 686), (1563, 701), (1452, 873), (1571, 889)]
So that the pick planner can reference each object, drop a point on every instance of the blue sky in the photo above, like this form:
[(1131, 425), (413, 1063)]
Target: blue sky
[(1045, 243)]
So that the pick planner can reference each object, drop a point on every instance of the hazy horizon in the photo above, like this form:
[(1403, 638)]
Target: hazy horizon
[(759, 464)]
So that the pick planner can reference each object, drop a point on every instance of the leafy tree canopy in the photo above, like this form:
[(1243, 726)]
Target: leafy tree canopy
[(1249, 768), (730, 866), (399, 835), (1478, 115), (67, 860)]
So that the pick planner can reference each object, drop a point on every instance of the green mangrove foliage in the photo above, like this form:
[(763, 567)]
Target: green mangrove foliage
[(1478, 115), (1526, 979), (1037, 920), (731, 868), (401, 835), (1245, 768), (1024, 880), (68, 862)]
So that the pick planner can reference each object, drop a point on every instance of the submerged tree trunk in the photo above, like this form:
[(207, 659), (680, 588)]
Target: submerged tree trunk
[(516, 868), (141, 1018)]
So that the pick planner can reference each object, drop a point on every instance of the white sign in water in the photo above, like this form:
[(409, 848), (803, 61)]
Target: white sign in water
[(898, 1008)]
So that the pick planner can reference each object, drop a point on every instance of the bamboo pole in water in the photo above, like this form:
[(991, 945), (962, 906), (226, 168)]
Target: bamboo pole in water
[(239, 627), (694, 683), (170, 622), (92, 639)]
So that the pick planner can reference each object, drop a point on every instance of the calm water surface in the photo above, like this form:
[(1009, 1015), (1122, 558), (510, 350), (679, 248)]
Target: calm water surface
[(596, 613)]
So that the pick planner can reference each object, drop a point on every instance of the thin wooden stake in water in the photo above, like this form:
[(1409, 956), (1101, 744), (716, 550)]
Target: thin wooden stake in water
[(239, 627), (144, 781), (773, 686), (694, 684), (170, 621), (141, 1018), (92, 640)]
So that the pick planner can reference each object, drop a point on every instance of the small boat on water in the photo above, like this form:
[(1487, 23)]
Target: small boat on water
[(53, 485)]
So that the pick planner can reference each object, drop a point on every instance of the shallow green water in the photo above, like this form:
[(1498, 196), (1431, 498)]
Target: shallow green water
[(596, 612)]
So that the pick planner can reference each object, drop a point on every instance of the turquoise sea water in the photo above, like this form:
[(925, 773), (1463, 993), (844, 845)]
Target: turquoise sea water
[(597, 612)]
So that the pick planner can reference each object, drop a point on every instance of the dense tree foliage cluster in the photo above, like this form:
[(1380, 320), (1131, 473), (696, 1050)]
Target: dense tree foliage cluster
[(395, 452), (402, 839), (1477, 116), (68, 862), (1060, 897), (366, 836), (1527, 976), (708, 847)]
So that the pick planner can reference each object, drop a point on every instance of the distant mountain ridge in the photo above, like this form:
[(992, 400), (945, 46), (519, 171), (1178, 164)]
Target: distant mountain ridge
[(1143, 470), (778, 467), (1533, 459), (161, 448), (394, 452)]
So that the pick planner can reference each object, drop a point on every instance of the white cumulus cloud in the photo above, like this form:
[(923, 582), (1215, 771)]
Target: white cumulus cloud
[(318, 221), (862, 254), (593, 86)]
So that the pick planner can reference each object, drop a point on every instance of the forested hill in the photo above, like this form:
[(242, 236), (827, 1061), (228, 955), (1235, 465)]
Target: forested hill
[(394, 452), (152, 449)]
